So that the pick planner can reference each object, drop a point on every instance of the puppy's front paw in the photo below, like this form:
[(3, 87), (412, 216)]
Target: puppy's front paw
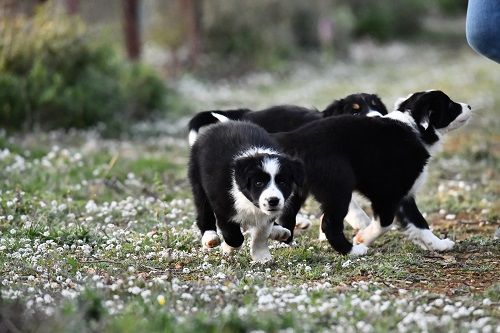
[(228, 249), (442, 245), (358, 250), (302, 223), (210, 240), (262, 257), (279, 233)]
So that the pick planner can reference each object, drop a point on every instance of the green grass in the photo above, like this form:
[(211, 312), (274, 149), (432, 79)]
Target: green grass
[(98, 234)]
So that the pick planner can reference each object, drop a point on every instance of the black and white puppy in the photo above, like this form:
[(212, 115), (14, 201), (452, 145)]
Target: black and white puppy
[(383, 158), (284, 118), (241, 179)]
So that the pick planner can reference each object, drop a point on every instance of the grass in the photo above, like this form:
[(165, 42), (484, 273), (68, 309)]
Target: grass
[(98, 234)]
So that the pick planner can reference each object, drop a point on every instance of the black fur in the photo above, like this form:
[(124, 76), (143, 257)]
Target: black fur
[(379, 157), (283, 118), (213, 166)]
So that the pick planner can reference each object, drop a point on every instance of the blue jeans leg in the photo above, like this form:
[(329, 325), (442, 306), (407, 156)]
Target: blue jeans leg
[(483, 27)]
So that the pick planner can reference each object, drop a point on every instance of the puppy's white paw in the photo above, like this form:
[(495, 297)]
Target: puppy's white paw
[(228, 249), (302, 223), (358, 250), (279, 233), (442, 245), (262, 257), (210, 240)]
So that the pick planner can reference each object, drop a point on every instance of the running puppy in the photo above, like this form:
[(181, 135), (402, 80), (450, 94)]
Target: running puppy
[(241, 179), (383, 158)]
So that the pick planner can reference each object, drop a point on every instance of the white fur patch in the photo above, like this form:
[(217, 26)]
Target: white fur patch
[(228, 249), (373, 113), (279, 233), (210, 239), (193, 135), (420, 181), (460, 121), (358, 250), (301, 223), (370, 233), (259, 249), (220, 117), (427, 240), (256, 151), (403, 117), (356, 216), (271, 166)]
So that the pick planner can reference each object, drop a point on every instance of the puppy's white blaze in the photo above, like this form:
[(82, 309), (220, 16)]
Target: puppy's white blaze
[(373, 113), (427, 240), (220, 117), (193, 135), (271, 166), (256, 151)]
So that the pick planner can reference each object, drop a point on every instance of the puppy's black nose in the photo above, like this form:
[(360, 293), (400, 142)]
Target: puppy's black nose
[(469, 107), (273, 201)]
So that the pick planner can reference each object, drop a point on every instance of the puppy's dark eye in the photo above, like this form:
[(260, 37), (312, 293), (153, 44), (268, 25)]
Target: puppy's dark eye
[(373, 102), (355, 106), (259, 184)]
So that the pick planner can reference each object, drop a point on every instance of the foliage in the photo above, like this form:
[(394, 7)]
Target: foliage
[(54, 74)]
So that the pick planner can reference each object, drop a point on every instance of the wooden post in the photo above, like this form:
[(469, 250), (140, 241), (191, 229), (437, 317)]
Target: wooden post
[(131, 29)]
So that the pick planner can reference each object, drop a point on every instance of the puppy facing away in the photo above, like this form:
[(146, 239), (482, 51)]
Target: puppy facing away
[(284, 118), (383, 158), (241, 179)]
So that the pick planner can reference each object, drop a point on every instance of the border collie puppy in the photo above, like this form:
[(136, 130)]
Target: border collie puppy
[(284, 118), (241, 179), (383, 158)]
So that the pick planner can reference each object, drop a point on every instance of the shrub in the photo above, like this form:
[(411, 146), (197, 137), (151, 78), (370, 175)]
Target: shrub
[(384, 20), (53, 74)]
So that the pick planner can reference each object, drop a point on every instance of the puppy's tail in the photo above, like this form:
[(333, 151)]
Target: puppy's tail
[(206, 118)]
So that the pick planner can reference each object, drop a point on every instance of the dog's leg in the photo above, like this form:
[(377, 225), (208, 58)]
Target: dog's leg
[(416, 228), (378, 226), (205, 218), (292, 208), (279, 233), (259, 249), (231, 232), (356, 217)]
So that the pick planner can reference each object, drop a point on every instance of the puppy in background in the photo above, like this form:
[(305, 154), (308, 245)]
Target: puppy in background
[(241, 179)]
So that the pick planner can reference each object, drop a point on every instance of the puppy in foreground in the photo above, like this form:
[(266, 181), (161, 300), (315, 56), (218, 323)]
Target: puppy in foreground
[(383, 158), (241, 179)]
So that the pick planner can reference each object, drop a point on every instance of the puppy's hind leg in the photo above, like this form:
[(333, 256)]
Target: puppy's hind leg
[(356, 217), (416, 228), (378, 226)]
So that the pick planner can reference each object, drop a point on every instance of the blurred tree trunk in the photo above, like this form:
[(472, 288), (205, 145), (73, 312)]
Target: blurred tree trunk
[(72, 6), (131, 28), (193, 14)]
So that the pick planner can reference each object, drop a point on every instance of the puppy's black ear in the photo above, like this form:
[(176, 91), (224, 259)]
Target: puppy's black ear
[(334, 109), (432, 101), (380, 105), (242, 167), (298, 172)]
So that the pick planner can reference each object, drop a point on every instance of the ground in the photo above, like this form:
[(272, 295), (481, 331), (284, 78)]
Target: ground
[(98, 234)]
